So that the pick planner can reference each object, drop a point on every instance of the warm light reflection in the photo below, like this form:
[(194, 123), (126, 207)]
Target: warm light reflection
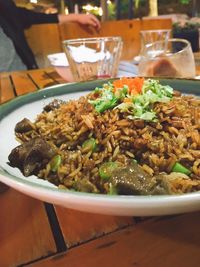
[(89, 8), (100, 12), (66, 11), (33, 1)]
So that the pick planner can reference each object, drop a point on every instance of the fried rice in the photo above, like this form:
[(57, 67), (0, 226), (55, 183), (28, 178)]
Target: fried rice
[(155, 146)]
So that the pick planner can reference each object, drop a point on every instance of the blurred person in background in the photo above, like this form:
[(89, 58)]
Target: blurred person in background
[(15, 53)]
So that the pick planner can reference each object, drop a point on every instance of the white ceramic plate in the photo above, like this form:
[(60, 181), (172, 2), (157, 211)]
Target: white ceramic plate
[(29, 106)]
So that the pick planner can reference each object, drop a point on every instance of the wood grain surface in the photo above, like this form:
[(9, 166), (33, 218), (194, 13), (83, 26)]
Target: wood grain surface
[(25, 233), (171, 241), (13, 84), (87, 226), (44, 39), (7, 91)]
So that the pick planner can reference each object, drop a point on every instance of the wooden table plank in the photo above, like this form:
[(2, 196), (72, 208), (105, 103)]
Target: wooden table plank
[(55, 76), (22, 83), (166, 241), (25, 233), (198, 70), (41, 78), (6, 88), (197, 58), (87, 226)]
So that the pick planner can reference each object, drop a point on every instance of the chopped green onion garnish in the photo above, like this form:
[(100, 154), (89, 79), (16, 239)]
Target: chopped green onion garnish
[(55, 163), (90, 145), (106, 104), (180, 168), (112, 189), (106, 169), (139, 104)]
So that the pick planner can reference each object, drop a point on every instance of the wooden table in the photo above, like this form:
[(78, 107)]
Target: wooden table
[(33, 233)]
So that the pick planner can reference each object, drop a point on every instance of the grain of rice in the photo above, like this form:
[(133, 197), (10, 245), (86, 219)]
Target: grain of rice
[(115, 152), (129, 154)]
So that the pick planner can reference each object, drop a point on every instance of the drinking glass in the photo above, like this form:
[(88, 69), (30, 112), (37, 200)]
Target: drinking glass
[(151, 36), (93, 58), (171, 58)]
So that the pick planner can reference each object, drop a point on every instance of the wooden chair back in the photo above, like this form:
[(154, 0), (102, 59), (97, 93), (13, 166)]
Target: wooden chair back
[(44, 39)]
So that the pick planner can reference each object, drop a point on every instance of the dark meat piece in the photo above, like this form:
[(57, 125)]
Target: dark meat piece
[(56, 103), (24, 126), (30, 156), (133, 180)]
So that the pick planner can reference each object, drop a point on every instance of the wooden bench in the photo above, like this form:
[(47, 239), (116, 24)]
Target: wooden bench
[(47, 38)]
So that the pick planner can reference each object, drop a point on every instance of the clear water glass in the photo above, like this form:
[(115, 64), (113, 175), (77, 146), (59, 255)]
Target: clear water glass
[(93, 58), (171, 58), (151, 36)]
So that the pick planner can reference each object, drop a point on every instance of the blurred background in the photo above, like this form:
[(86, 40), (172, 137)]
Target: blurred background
[(115, 9), (118, 17)]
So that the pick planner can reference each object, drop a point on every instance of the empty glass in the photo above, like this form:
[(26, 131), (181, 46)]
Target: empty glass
[(171, 58), (93, 58), (151, 36)]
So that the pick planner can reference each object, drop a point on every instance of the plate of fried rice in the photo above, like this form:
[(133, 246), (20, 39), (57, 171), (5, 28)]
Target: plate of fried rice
[(128, 146)]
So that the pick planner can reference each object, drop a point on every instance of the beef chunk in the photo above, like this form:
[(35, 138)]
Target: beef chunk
[(30, 156), (53, 105), (24, 126), (133, 180)]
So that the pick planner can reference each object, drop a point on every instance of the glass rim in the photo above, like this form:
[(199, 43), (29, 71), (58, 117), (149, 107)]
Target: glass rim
[(157, 30), (92, 39), (171, 40)]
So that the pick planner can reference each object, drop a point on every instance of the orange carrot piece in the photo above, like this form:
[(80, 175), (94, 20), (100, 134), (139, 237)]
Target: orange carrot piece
[(134, 84)]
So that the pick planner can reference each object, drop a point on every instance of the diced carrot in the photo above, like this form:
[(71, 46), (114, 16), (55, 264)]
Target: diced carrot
[(139, 83), (134, 84), (133, 92)]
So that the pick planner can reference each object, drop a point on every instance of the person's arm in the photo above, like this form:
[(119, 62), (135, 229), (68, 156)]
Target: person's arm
[(83, 19), (24, 16), (31, 17), (28, 17)]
